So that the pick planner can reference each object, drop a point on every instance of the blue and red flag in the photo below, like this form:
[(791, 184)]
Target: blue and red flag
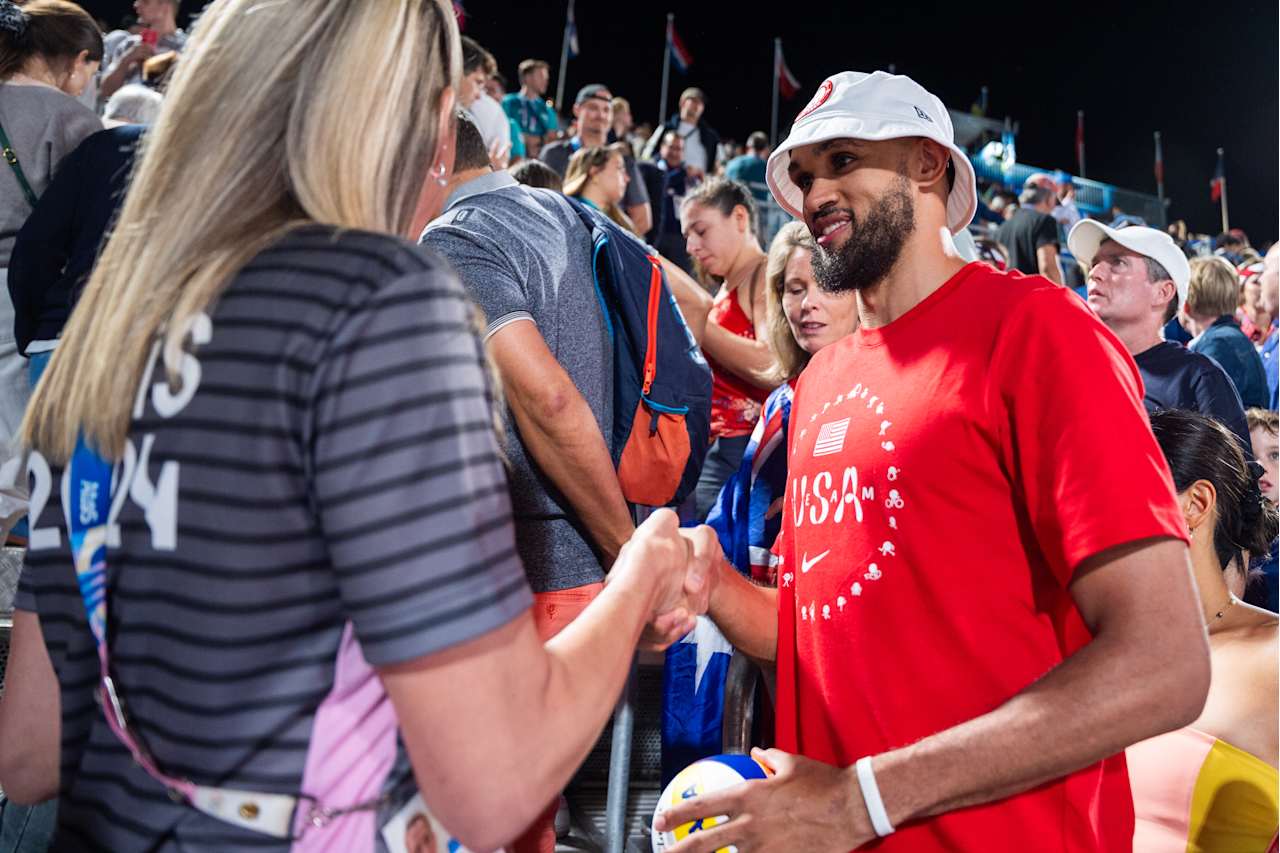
[(461, 14), (679, 52), (1219, 179)]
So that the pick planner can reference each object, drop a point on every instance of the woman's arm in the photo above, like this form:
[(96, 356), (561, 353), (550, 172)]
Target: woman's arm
[(750, 360), (496, 726), (30, 716)]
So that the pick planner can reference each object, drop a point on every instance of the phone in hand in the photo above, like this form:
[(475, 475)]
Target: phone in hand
[(150, 36)]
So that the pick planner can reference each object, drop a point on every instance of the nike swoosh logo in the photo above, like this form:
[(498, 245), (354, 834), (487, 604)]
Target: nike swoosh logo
[(806, 564)]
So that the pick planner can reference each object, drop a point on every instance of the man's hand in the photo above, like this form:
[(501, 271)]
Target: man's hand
[(138, 54), (806, 805), (678, 616)]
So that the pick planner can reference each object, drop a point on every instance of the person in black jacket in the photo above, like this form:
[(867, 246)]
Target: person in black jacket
[(700, 141), (54, 251), (1137, 279)]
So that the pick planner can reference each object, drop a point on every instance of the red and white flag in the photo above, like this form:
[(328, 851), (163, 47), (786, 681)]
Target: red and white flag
[(788, 85)]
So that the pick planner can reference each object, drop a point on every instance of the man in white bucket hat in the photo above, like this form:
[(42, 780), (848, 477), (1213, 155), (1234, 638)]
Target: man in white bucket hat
[(984, 592)]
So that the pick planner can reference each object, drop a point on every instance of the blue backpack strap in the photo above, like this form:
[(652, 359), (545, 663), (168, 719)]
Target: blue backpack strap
[(599, 242)]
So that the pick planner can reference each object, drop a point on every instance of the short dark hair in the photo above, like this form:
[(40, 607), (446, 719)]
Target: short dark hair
[(469, 148), (54, 30), (758, 141), (535, 173), (474, 56)]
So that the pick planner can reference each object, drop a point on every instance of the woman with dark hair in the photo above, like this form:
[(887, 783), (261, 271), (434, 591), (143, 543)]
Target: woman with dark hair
[(1211, 787), (49, 51), (718, 220)]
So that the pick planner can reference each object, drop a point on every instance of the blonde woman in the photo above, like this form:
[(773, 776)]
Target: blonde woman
[(1212, 297), (267, 439), (598, 176)]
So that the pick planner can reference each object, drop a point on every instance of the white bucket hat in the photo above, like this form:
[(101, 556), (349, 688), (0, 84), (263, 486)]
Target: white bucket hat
[(1088, 234), (855, 105)]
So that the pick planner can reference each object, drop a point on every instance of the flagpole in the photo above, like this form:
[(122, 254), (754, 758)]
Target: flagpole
[(1223, 196), (1080, 140), (777, 71), (564, 58), (666, 70), (1159, 171)]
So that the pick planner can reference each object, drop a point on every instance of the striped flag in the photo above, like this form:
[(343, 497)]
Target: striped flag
[(461, 14), (788, 85), (1219, 180), (831, 438), (679, 52)]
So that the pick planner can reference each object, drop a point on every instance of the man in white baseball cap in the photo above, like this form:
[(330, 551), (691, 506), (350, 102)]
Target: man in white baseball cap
[(984, 591), (1138, 278)]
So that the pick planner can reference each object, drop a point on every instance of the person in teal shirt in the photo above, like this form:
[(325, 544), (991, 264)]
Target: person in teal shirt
[(749, 168), (528, 108)]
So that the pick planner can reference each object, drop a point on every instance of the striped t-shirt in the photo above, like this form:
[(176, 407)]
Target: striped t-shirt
[(322, 494)]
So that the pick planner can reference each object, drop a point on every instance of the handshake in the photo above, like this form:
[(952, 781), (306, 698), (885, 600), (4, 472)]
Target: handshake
[(674, 568)]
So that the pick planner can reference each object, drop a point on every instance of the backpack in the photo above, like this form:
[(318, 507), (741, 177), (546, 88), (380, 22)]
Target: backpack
[(662, 384)]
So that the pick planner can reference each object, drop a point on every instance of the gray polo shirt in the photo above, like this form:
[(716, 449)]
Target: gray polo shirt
[(524, 255)]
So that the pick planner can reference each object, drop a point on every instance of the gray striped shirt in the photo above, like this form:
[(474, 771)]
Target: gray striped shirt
[(332, 493)]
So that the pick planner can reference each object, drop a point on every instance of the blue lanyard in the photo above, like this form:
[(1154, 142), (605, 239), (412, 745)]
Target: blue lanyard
[(90, 498)]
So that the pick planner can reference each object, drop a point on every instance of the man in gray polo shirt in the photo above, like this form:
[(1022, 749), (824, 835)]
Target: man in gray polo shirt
[(525, 258)]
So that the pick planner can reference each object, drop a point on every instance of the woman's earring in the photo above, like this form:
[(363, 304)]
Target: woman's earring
[(438, 174)]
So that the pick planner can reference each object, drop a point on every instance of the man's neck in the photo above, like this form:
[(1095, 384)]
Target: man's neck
[(529, 94), (1137, 338), (925, 264), (461, 179), (165, 27), (590, 138)]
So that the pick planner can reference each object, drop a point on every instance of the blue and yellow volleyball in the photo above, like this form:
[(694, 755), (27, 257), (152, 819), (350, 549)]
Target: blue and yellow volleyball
[(702, 777)]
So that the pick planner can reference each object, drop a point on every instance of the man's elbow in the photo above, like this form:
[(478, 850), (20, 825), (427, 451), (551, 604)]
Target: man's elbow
[(1181, 682), (1189, 685)]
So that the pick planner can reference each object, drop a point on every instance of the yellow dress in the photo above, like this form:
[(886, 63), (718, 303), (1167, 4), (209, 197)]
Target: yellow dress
[(1194, 793)]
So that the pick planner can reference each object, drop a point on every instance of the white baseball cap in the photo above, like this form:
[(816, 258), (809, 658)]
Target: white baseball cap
[(1087, 235), (856, 105)]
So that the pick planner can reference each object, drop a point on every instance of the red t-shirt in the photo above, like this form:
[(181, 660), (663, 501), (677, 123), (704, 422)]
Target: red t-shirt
[(947, 474)]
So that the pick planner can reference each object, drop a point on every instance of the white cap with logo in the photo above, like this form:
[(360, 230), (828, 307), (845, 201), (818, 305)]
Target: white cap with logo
[(872, 107), (1088, 234)]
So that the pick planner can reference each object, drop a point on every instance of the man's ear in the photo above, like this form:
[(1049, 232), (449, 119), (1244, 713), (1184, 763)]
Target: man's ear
[(927, 163)]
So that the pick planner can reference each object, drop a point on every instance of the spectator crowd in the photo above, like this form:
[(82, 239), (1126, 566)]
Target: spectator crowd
[(315, 451)]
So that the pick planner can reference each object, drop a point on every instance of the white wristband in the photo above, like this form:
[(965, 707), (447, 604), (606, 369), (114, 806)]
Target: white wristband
[(871, 797)]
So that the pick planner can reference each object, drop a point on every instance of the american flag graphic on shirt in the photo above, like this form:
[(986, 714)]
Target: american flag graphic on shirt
[(831, 438)]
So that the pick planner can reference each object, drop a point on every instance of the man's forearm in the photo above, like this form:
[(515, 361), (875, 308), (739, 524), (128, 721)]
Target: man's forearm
[(1091, 706), (746, 614), (113, 81), (567, 446)]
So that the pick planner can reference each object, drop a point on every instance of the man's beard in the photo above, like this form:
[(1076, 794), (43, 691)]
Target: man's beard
[(872, 247)]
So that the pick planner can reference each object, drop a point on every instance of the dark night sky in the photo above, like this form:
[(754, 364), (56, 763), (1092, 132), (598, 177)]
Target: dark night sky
[(1204, 75)]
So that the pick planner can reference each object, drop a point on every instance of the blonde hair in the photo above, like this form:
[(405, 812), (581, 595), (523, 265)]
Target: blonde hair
[(1265, 419), (1214, 288), (273, 120), (791, 357), (584, 165)]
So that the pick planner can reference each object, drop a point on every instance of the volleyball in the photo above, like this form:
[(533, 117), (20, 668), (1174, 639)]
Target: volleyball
[(702, 777)]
